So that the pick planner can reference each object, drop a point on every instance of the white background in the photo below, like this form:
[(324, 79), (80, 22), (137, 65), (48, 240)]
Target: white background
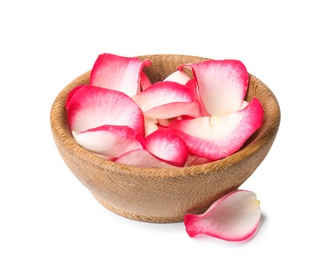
[(46, 213)]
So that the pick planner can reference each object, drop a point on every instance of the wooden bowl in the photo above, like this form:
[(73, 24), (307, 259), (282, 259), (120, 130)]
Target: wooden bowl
[(164, 195)]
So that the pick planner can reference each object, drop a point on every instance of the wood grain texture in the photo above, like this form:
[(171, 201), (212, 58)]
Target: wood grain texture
[(164, 195)]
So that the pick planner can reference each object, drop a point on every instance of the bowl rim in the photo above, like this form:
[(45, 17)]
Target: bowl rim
[(63, 137)]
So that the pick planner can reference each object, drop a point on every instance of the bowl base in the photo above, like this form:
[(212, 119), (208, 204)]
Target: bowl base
[(136, 216)]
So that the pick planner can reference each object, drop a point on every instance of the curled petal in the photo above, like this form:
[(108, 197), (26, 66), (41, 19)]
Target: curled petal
[(164, 92), (167, 99), (167, 146), (142, 158), (89, 107), (145, 82), (110, 141), (222, 84), (174, 109), (119, 73), (218, 137), (234, 217)]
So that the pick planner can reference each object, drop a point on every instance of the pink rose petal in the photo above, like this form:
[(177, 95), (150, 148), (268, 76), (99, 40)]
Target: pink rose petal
[(167, 99), (174, 109), (110, 141), (234, 217), (218, 137), (222, 84), (167, 146), (119, 73), (89, 107), (145, 82), (142, 158)]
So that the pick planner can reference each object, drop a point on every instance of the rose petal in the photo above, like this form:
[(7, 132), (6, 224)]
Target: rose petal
[(234, 217), (164, 92), (118, 73), (142, 158), (145, 82), (167, 146), (110, 141), (163, 122), (89, 107), (222, 84), (167, 99), (179, 77), (150, 125), (175, 109), (218, 137)]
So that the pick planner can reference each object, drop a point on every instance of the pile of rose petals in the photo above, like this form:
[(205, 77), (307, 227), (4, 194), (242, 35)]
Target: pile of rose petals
[(180, 121)]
